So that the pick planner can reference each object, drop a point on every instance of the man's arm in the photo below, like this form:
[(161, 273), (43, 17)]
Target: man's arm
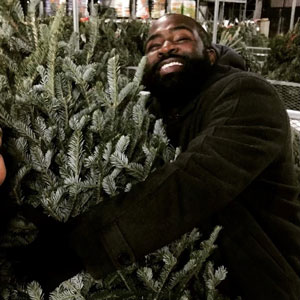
[(244, 131)]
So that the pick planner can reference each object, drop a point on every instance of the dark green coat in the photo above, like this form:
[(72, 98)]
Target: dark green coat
[(236, 170)]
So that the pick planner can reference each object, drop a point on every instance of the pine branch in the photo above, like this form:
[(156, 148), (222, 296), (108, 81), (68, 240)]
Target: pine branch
[(93, 37), (32, 21), (159, 133), (75, 73), (109, 183), (55, 31), (136, 170), (145, 274), (18, 126), (3, 83), (16, 184), (17, 10), (128, 89), (140, 71), (113, 72), (75, 153), (169, 263), (34, 291), (198, 258), (8, 62), (62, 88), (30, 64), (69, 290), (212, 279)]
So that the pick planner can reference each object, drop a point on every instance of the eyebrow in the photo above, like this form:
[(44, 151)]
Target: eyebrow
[(176, 28)]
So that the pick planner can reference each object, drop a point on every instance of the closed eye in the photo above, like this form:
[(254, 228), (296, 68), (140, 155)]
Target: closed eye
[(183, 39), (153, 47)]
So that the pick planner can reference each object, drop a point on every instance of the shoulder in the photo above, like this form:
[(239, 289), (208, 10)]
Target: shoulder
[(231, 73), (228, 57), (248, 83), (240, 93), (231, 80)]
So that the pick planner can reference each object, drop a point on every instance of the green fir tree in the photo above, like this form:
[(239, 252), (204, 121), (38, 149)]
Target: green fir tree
[(78, 131)]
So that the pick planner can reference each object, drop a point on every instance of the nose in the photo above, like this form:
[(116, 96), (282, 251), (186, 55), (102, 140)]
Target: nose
[(167, 48)]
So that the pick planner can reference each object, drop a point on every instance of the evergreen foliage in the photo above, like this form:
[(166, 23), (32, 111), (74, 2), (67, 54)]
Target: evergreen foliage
[(160, 276), (104, 31), (78, 131), (238, 37), (284, 59), (72, 131)]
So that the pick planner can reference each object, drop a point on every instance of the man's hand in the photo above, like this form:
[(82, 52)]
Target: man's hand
[(2, 164)]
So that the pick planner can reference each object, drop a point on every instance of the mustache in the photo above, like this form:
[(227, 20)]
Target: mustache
[(168, 56)]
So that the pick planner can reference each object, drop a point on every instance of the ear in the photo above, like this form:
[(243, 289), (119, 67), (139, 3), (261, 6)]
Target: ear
[(212, 55)]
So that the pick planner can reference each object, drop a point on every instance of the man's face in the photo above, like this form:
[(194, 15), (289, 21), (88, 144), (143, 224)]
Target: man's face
[(172, 34), (175, 52)]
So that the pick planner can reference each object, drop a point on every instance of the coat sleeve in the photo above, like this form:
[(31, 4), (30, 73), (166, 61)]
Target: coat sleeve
[(244, 129)]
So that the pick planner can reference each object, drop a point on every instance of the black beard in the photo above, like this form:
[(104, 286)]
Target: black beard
[(173, 88)]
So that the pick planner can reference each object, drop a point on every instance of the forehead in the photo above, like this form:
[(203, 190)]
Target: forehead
[(171, 21)]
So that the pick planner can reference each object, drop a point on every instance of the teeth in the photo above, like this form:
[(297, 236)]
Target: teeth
[(173, 63)]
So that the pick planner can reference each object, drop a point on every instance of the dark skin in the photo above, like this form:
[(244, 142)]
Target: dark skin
[(2, 164), (178, 61), (174, 34)]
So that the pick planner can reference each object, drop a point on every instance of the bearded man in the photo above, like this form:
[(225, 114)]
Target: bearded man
[(235, 170)]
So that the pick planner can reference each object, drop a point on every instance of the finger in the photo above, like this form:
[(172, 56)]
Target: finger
[(2, 169)]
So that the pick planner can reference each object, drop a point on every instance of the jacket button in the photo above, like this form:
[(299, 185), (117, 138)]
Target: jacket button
[(124, 259)]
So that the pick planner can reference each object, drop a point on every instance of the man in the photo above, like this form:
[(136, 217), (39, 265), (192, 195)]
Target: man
[(235, 170)]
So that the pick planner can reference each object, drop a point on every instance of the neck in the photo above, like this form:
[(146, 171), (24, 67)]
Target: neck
[(174, 100)]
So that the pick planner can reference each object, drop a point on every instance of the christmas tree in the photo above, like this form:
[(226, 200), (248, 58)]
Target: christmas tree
[(78, 131)]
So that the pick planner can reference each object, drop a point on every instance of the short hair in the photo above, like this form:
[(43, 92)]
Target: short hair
[(203, 34)]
